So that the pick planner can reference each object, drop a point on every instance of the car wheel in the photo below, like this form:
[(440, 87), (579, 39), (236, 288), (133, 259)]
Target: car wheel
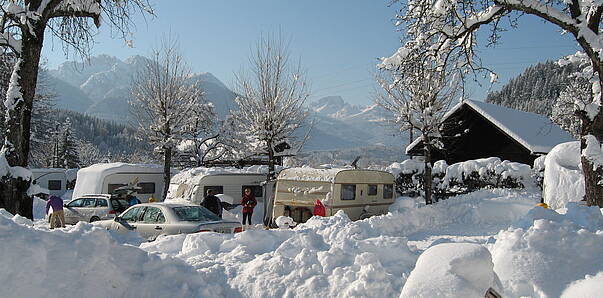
[(94, 218)]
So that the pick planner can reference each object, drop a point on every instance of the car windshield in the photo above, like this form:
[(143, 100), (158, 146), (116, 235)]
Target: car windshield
[(194, 213)]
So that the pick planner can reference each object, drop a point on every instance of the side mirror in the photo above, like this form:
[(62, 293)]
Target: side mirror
[(65, 205), (116, 218)]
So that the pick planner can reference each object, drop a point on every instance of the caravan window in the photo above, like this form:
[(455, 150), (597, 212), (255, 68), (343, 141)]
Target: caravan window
[(388, 191), (112, 187), (372, 189), (218, 189), (256, 190), (348, 192), (146, 188), (54, 184)]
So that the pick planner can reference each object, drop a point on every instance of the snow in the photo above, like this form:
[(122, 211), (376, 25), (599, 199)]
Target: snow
[(563, 176), (85, 260), (454, 247), (90, 179), (590, 286), (544, 257), (452, 270), (311, 174), (193, 176), (533, 131)]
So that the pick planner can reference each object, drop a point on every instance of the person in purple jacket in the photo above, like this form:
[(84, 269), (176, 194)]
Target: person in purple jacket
[(57, 210)]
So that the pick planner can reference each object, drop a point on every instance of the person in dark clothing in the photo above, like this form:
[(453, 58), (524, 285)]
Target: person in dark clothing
[(57, 214), (212, 203), (133, 200), (248, 202)]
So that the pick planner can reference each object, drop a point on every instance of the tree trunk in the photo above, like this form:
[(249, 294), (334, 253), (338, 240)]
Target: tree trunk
[(427, 176), (271, 174), (167, 161), (13, 193)]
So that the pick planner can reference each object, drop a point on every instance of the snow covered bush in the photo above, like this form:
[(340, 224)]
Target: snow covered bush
[(480, 173), (462, 177)]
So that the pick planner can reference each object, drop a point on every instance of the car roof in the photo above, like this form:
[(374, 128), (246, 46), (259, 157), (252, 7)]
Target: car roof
[(169, 205), (106, 196)]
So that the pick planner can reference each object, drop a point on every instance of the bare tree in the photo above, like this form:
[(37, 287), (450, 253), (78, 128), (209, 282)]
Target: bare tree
[(446, 31), (88, 154), (23, 26), (418, 96), (163, 100), (271, 99)]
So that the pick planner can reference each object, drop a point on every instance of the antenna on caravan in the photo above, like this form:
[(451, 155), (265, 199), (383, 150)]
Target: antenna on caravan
[(355, 162)]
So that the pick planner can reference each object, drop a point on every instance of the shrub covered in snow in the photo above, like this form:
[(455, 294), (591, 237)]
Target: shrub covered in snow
[(462, 177)]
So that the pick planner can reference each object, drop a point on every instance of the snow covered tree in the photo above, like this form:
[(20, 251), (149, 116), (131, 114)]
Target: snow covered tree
[(571, 99), (68, 153), (418, 96), (163, 101), (271, 97), (88, 154), (205, 139), (22, 31), (447, 31)]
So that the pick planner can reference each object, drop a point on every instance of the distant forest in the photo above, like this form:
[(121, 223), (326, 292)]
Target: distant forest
[(108, 136), (535, 90)]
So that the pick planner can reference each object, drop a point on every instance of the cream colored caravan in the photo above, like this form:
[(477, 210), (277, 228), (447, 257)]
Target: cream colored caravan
[(359, 193)]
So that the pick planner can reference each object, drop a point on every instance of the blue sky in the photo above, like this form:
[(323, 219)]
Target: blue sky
[(338, 42)]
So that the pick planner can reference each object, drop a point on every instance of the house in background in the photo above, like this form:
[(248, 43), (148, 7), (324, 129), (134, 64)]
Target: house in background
[(474, 129)]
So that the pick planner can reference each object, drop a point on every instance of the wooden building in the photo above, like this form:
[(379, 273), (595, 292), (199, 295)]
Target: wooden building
[(475, 129)]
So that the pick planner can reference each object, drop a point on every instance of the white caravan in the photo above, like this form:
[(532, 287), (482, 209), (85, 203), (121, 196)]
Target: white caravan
[(359, 193), (105, 178), (53, 179), (192, 185)]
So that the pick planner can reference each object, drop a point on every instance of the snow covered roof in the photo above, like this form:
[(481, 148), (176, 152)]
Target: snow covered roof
[(319, 175), (90, 179), (194, 175), (533, 131)]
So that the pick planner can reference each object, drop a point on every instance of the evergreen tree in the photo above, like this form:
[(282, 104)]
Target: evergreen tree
[(68, 154)]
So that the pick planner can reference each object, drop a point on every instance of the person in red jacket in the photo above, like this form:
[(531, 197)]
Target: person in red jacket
[(248, 202)]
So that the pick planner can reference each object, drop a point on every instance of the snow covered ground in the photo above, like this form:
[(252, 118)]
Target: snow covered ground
[(490, 238)]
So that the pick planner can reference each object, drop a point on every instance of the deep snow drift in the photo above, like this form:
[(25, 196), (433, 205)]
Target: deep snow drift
[(534, 252)]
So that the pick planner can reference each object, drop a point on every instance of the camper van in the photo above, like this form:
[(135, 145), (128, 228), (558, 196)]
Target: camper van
[(228, 183), (359, 193), (106, 178), (53, 179)]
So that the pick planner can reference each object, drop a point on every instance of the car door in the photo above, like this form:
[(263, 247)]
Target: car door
[(128, 221), (72, 211), (152, 223), (86, 211)]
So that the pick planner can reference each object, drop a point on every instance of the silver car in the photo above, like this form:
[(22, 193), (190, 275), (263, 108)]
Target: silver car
[(153, 219), (91, 208)]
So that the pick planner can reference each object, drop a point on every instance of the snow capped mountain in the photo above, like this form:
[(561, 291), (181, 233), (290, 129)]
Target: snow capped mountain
[(100, 87)]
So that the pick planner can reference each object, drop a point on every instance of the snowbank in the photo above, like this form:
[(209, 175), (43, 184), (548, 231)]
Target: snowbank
[(86, 261), (330, 257), (543, 258), (563, 176), (452, 270), (590, 286)]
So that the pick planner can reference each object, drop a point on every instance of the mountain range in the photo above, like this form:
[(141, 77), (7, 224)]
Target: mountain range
[(100, 87)]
